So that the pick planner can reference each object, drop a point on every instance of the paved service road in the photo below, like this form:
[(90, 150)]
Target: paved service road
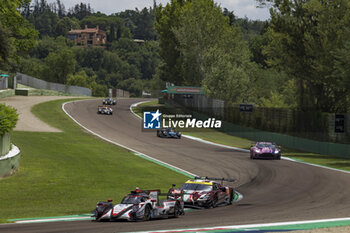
[(27, 121), (274, 191)]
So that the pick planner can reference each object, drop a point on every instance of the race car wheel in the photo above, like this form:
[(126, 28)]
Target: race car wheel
[(231, 199), (147, 215), (96, 215), (177, 210), (214, 202)]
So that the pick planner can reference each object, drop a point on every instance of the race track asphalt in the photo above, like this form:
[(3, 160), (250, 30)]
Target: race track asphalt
[(273, 190)]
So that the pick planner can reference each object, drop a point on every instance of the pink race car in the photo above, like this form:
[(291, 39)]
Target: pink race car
[(265, 150)]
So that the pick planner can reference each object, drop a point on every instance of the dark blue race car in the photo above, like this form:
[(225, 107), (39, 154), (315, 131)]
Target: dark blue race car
[(168, 133)]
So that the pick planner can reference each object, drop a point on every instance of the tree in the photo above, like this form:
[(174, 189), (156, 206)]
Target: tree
[(202, 27), (17, 35), (59, 65), (140, 23), (64, 25), (303, 37), (213, 53), (47, 45), (80, 11), (168, 18), (83, 80), (44, 18), (61, 11)]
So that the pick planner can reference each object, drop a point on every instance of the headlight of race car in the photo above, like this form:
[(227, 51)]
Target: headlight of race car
[(276, 152), (257, 151)]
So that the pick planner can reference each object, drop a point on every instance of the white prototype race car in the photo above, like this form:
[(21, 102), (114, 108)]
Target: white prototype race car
[(139, 205), (106, 110)]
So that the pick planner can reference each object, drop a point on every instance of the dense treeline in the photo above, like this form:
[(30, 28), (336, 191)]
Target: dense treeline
[(202, 45), (123, 64), (298, 59), (17, 35)]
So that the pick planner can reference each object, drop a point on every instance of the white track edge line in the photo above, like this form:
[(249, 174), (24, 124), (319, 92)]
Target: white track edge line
[(125, 147), (241, 149), (254, 225)]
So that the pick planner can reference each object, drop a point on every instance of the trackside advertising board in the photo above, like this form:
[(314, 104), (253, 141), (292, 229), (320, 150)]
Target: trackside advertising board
[(185, 90)]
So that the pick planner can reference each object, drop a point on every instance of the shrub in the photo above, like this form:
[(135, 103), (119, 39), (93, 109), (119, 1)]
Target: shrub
[(8, 118)]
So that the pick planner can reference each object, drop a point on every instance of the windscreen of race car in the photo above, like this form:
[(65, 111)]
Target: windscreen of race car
[(132, 200), (197, 187)]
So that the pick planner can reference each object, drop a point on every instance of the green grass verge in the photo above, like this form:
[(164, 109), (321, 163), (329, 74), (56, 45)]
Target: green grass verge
[(5, 221), (67, 173), (230, 140), (138, 109)]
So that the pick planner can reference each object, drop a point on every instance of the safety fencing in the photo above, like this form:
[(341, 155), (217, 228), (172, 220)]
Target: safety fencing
[(120, 93), (41, 84), (311, 131)]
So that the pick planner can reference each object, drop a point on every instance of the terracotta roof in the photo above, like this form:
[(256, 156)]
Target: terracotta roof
[(87, 30)]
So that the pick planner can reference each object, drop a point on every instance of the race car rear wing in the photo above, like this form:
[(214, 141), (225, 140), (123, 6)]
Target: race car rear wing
[(219, 179)]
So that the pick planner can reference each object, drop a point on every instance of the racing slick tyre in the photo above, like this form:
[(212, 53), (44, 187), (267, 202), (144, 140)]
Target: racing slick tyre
[(177, 210), (147, 214), (214, 202), (231, 199), (278, 158), (98, 215)]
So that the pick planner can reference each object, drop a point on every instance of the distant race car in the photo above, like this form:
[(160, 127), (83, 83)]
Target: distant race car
[(206, 192), (105, 110), (265, 150), (109, 101), (139, 205), (168, 133)]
